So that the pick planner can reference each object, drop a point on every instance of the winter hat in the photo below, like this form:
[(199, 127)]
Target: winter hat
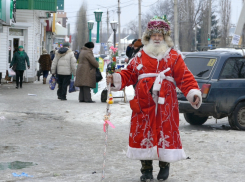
[(66, 44), (21, 47), (45, 51), (138, 43), (89, 45), (134, 41), (156, 25)]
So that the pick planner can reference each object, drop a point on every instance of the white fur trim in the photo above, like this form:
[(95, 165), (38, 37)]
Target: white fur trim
[(190, 97), (142, 154), (171, 155), (117, 81), (161, 100), (139, 54), (166, 155)]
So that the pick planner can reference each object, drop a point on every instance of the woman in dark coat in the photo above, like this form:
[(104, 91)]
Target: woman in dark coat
[(45, 64), (86, 72), (20, 59)]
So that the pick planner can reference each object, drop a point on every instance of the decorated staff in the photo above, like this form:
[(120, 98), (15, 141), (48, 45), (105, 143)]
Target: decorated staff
[(110, 71)]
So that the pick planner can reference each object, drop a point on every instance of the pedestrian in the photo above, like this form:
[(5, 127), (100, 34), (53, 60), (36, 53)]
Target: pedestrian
[(64, 65), (136, 48), (20, 59), (52, 54), (45, 64), (130, 49), (86, 72), (154, 132), (76, 54)]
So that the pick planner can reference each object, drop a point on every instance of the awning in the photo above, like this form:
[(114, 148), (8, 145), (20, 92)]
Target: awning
[(60, 30)]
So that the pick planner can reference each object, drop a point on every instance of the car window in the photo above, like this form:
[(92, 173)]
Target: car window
[(234, 69), (199, 66)]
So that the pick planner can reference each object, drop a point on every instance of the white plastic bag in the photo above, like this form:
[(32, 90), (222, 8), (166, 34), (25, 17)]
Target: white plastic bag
[(11, 72), (76, 88)]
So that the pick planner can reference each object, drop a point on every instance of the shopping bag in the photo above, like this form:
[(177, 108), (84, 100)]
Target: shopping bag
[(52, 82), (98, 75), (11, 72), (7, 78), (72, 86)]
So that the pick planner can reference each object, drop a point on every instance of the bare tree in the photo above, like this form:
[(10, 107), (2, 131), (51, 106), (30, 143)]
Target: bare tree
[(225, 14), (81, 35), (189, 13)]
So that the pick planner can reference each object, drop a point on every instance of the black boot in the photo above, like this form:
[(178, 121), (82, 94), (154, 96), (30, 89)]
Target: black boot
[(146, 176), (163, 173)]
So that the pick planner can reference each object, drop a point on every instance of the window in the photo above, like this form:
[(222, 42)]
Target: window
[(200, 67), (234, 69), (16, 32)]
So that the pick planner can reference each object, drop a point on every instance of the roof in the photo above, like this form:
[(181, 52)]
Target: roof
[(214, 53)]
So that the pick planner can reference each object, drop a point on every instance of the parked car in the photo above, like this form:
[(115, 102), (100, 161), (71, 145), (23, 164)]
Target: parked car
[(221, 77)]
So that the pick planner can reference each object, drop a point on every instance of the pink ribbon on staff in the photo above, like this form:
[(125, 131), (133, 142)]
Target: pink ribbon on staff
[(109, 123)]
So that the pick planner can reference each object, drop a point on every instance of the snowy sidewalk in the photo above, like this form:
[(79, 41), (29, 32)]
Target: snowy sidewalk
[(64, 141)]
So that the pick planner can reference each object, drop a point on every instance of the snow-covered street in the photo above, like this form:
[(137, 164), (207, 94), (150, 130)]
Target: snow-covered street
[(55, 140)]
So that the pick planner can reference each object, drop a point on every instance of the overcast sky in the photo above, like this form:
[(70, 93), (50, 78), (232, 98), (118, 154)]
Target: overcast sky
[(129, 9)]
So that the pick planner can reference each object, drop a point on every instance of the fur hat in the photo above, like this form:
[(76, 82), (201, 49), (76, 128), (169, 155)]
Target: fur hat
[(89, 45), (45, 51), (138, 43), (156, 25), (134, 41)]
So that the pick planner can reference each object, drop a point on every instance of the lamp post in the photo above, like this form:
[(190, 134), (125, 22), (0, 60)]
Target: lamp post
[(98, 15), (114, 28), (90, 27)]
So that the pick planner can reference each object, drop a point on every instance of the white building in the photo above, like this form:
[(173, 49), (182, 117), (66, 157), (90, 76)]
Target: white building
[(28, 31)]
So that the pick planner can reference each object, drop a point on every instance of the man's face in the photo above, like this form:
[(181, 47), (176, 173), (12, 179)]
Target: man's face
[(157, 38)]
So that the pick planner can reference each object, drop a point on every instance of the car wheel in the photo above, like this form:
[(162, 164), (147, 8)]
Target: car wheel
[(231, 122), (239, 116), (194, 119)]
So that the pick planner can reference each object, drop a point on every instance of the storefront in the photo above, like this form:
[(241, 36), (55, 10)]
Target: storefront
[(28, 31)]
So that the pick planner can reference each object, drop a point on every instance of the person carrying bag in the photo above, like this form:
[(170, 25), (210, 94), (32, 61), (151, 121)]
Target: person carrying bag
[(86, 73)]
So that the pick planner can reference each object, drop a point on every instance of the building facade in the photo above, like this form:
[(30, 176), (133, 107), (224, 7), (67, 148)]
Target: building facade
[(28, 31)]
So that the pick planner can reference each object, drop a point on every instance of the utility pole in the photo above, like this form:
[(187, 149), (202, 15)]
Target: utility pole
[(195, 38), (139, 19), (209, 23), (176, 25), (107, 24), (101, 36), (119, 30)]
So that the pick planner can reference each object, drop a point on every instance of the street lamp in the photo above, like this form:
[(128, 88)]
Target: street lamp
[(90, 27), (114, 28), (98, 15)]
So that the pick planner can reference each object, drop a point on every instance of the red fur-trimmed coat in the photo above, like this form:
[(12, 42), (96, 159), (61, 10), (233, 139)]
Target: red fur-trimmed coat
[(154, 132)]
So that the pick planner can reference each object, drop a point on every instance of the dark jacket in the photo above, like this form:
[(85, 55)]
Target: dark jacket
[(45, 62), (86, 69), (129, 51), (134, 52), (21, 61)]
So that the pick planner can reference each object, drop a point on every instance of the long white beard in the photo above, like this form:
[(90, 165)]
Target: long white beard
[(156, 49)]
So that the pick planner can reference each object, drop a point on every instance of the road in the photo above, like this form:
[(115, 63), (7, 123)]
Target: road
[(53, 140)]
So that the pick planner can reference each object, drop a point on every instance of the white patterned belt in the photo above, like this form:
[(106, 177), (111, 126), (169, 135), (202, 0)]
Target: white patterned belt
[(157, 84), (160, 77)]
